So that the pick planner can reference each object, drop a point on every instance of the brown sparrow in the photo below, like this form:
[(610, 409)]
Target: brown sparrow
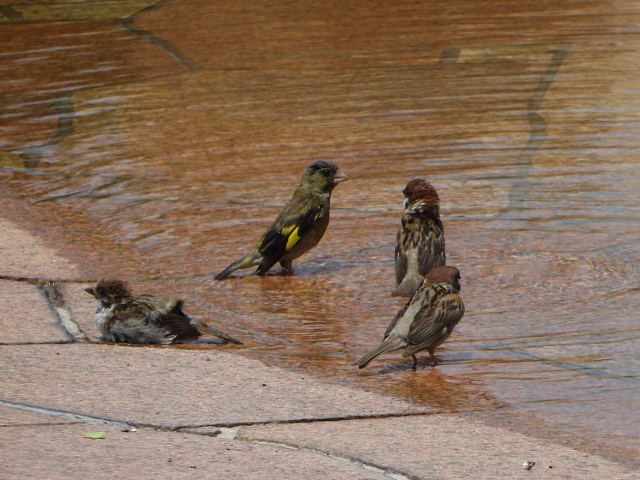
[(126, 318), (426, 320), (420, 240)]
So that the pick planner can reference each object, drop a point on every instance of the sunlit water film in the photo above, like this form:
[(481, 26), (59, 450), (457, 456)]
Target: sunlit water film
[(180, 128)]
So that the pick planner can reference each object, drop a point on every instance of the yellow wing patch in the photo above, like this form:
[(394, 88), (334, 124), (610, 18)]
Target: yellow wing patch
[(293, 236)]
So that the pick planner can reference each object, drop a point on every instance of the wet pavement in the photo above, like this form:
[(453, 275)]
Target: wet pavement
[(155, 141), (115, 411)]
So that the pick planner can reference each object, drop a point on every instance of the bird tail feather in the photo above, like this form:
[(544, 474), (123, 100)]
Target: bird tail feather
[(204, 328), (368, 357), (410, 283), (246, 261)]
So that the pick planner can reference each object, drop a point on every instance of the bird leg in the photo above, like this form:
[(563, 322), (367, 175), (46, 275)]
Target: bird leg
[(287, 267), (415, 361), (433, 357)]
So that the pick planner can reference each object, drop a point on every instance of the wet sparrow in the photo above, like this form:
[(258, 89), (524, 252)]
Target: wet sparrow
[(426, 320), (123, 317), (300, 225), (420, 240)]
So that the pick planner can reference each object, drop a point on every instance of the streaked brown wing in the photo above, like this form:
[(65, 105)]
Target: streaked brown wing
[(166, 312), (400, 257), (431, 250), (180, 325), (160, 303), (418, 296), (436, 320)]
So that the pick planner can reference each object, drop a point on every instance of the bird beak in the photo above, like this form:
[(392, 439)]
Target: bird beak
[(340, 177), (91, 291)]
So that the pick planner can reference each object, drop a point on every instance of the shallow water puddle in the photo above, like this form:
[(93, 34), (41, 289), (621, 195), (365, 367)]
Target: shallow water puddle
[(183, 128)]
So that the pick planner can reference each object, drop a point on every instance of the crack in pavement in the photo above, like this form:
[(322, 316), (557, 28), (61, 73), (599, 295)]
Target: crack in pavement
[(233, 433), (42, 281), (71, 415), (56, 302), (386, 471), (371, 416), (189, 428)]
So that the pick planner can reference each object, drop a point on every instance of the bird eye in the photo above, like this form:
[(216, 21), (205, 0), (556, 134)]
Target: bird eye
[(325, 171)]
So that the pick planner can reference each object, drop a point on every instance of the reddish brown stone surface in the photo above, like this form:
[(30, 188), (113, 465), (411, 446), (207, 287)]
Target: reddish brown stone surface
[(82, 306), (11, 417), (26, 255), (25, 315), (175, 387), (63, 452), (442, 446), (156, 146)]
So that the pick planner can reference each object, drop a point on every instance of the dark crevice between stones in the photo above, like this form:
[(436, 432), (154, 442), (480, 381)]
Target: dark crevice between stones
[(305, 420), (40, 424), (58, 306), (382, 469), (80, 417), (129, 25), (42, 281), (128, 426)]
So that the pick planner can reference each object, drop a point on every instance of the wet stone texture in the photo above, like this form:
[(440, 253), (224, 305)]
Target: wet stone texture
[(155, 143), (26, 255)]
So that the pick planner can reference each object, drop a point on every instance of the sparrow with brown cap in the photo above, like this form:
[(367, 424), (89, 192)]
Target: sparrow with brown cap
[(126, 318), (420, 239), (427, 319)]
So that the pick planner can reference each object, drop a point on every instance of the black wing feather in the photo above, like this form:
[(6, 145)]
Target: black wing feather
[(274, 242)]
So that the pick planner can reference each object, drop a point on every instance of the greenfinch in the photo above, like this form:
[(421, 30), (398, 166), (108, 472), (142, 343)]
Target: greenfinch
[(420, 239), (300, 225), (427, 319)]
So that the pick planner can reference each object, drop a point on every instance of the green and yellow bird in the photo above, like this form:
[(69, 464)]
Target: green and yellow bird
[(300, 225)]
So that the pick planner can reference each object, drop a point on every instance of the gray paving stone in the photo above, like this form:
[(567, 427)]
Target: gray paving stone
[(25, 315), (63, 452), (82, 306), (15, 416), (173, 387), (442, 446)]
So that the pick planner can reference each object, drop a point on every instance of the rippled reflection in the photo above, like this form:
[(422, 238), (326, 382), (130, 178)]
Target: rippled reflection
[(182, 128)]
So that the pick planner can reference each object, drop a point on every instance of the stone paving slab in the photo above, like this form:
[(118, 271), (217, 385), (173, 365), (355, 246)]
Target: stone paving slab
[(25, 315), (14, 416), (442, 446), (25, 255), (174, 387), (82, 306), (63, 452)]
